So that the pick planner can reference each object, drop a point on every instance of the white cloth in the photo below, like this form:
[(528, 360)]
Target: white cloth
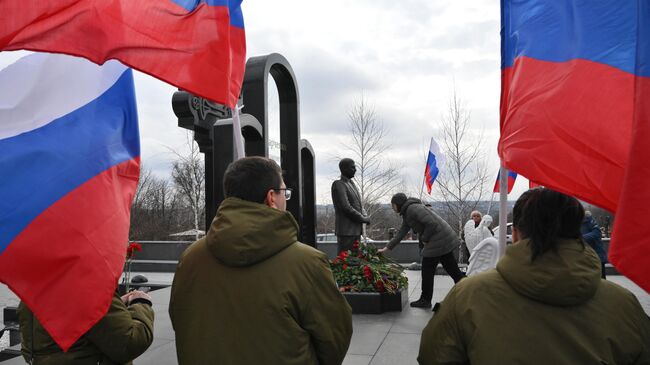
[(484, 256)]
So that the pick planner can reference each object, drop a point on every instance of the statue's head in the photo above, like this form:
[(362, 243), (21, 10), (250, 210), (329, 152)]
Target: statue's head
[(347, 167)]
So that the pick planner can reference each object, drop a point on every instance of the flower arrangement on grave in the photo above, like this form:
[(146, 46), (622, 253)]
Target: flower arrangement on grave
[(131, 249), (363, 269)]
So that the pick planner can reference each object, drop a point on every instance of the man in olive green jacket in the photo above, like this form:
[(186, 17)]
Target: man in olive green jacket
[(123, 334), (544, 304), (249, 292)]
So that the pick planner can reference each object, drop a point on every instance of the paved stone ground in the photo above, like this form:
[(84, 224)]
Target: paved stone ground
[(389, 338)]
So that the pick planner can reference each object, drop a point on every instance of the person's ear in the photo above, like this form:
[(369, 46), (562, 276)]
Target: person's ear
[(269, 200), (515, 234)]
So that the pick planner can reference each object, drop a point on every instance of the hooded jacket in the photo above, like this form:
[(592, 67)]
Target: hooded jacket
[(553, 310), (123, 334), (438, 238), (250, 293)]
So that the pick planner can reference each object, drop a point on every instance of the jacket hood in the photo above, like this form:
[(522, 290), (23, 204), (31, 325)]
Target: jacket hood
[(567, 277), (406, 204), (486, 221), (244, 233)]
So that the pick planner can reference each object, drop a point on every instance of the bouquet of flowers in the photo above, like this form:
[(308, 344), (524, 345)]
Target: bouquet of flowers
[(362, 269), (131, 249)]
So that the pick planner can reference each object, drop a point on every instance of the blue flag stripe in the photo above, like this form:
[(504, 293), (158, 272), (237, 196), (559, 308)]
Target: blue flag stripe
[(47, 163), (234, 7), (611, 32)]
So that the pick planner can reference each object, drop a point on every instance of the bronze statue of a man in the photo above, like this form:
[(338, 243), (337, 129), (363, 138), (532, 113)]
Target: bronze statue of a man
[(347, 206)]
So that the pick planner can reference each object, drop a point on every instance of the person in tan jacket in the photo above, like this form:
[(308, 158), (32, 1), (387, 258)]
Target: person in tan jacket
[(249, 292), (123, 334), (545, 303)]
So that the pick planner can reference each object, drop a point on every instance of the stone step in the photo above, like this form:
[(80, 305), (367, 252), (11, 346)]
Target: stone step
[(10, 353), (154, 265)]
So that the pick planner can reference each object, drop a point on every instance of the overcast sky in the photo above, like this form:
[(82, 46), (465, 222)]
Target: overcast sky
[(404, 58)]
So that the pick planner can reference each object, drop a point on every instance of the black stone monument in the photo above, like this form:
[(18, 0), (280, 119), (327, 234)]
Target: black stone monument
[(213, 131)]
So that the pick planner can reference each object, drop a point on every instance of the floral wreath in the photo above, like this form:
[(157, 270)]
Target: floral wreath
[(363, 269)]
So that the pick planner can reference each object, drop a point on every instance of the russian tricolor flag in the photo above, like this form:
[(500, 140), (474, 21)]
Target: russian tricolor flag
[(512, 176), (575, 109), (69, 162), (196, 45), (434, 163)]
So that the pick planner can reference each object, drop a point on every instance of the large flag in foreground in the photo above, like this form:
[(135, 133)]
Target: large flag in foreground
[(575, 109), (197, 45), (435, 161), (69, 162)]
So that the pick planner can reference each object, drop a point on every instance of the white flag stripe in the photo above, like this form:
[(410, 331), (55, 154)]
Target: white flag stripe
[(26, 98)]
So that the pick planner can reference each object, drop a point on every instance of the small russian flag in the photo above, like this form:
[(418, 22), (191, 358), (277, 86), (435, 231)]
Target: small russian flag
[(434, 162), (512, 176)]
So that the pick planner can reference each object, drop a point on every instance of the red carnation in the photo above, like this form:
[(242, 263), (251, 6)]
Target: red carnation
[(367, 273), (355, 245), (345, 266), (132, 248), (380, 286)]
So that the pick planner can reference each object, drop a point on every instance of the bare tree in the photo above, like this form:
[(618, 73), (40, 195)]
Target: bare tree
[(155, 208), (376, 176), (144, 183), (188, 175), (462, 181)]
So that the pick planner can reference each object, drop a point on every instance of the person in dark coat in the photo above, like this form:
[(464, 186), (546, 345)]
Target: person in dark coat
[(437, 236), (591, 235), (347, 207)]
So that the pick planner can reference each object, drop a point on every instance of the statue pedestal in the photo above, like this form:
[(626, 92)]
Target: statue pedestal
[(377, 303)]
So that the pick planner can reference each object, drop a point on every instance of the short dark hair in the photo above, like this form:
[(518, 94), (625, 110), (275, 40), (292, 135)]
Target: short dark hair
[(250, 178), (544, 215), (398, 199)]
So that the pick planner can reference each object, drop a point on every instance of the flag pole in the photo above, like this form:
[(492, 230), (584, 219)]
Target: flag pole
[(424, 176), (426, 155), (490, 204), (422, 186), (503, 209), (239, 150)]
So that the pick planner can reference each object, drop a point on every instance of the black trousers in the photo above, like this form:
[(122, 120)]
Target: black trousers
[(345, 242), (429, 265)]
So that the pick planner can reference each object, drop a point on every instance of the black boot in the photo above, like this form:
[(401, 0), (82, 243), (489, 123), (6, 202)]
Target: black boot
[(421, 303)]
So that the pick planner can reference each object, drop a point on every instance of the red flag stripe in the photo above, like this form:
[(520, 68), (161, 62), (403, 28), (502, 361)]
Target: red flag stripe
[(568, 126), (199, 51), (74, 272)]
